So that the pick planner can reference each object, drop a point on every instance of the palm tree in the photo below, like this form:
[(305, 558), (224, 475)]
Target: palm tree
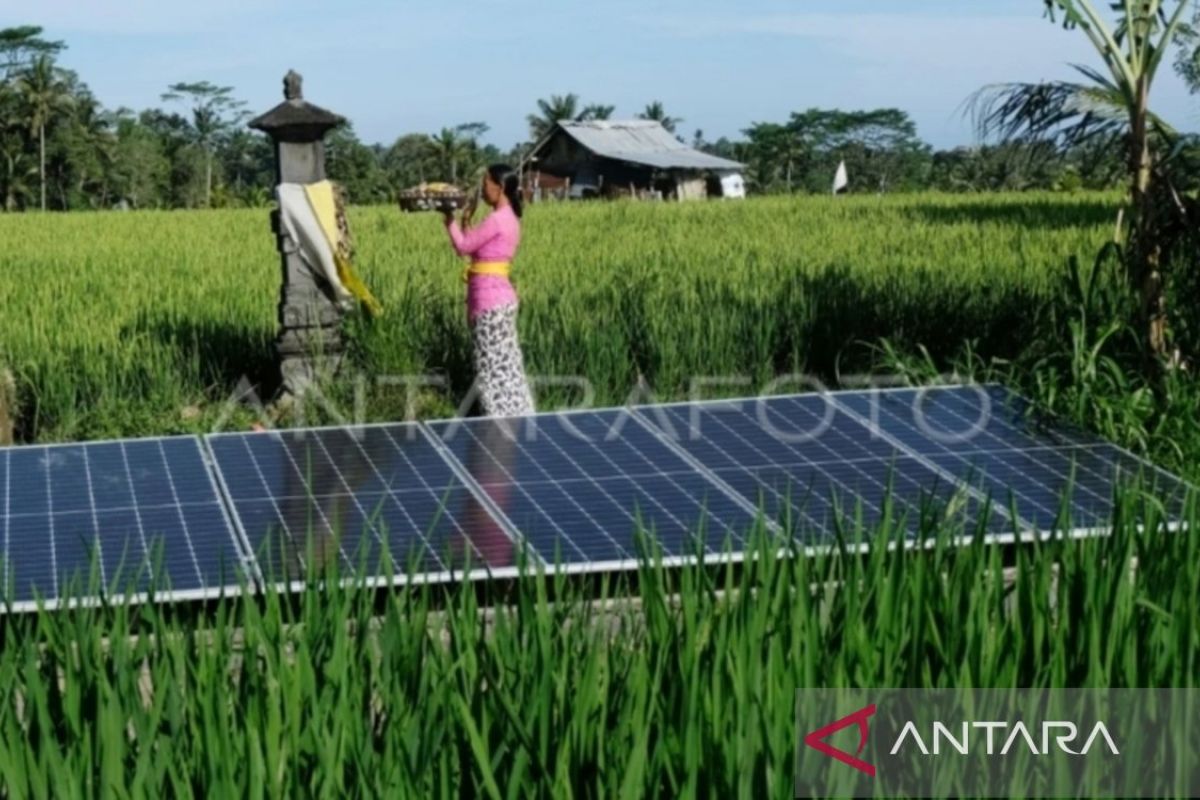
[(90, 143), (655, 111), (774, 148), (558, 107), (1113, 102), (214, 113), (596, 111), (564, 107), (46, 95), (16, 173), (448, 146)]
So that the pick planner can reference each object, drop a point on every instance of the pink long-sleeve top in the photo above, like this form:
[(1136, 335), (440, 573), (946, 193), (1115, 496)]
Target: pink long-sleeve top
[(494, 239)]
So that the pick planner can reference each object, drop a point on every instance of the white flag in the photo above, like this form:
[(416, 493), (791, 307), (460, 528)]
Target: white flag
[(840, 180)]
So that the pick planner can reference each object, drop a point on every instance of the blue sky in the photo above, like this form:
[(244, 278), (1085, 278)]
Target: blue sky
[(402, 66)]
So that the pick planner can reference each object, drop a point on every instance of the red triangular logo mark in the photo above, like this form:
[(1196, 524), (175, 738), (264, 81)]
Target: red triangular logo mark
[(816, 739)]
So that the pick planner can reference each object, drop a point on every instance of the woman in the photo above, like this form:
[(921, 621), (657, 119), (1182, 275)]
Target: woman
[(491, 300)]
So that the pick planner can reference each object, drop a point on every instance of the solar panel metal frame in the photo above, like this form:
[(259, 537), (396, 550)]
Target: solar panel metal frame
[(1026, 535), (246, 562)]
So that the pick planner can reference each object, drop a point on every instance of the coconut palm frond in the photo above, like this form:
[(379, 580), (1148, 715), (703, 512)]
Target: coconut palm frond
[(1068, 113)]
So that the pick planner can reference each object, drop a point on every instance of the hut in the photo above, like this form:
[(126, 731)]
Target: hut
[(622, 158)]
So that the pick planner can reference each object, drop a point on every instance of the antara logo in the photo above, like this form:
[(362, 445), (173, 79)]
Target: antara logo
[(816, 739), (1063, 733), (1007, 736)]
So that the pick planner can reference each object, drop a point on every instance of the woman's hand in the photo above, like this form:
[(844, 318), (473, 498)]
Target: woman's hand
[(447, 215)]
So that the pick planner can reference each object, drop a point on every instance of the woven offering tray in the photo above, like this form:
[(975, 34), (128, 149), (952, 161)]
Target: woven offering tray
[(433, 197)]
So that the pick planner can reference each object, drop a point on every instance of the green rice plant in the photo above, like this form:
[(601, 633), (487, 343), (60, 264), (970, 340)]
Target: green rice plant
[(660, 682)]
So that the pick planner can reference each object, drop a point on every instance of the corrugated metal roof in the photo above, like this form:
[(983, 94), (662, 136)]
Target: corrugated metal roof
[(642, 141)]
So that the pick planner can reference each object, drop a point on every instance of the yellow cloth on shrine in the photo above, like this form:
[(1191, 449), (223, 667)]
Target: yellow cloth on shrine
[(324, 206)]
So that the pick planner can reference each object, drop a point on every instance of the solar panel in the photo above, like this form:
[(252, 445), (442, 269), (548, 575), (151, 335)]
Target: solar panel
[(356, 496), (809, 464), (577, 490), (116, 517), (582, 487), (1049, 473)]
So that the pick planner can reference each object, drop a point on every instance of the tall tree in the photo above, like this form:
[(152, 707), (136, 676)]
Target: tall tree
[(46, 96), (1114, 102), (776, 154), (409, 161), (880, 147), (82, 151), (185, 163), (215, 113), (448, 148), (250, 161), (21, 45), (355, 166), (455, 147), (141, 174), (550, 112), (655, 111), (18, 171)]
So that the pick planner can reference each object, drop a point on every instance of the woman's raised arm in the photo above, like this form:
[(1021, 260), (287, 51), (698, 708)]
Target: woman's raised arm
[(469, 242)]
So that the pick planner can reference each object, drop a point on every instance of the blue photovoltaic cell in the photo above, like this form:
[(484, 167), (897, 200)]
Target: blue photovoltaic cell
[(114, 516), (808, 464), (987, 435), (355, 494), (579, 487)]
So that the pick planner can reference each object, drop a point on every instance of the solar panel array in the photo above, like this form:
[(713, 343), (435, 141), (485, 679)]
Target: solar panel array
[(577, 491)]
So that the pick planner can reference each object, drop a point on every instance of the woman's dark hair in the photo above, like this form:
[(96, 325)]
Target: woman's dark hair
[(509, 180)]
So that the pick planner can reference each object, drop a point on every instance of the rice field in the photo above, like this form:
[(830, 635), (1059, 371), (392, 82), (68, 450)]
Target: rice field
[(143, 323), (663, 683)]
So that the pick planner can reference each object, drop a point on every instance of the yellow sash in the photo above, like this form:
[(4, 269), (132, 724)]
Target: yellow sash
[(501, 268), (324, 207)]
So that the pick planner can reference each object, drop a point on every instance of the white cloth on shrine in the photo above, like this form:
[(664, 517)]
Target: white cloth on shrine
[(301, 224)]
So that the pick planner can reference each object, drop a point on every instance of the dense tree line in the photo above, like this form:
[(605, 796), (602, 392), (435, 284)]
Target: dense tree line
[(61, 149), (883, 153)]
